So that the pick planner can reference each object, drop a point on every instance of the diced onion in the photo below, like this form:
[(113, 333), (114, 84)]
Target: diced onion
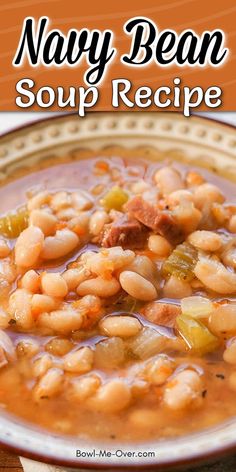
[(109, 353), (197, 307), (146, 344)]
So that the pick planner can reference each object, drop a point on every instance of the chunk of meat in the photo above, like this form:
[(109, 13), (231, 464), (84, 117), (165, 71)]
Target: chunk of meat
[(159, 221), (163, 314), (125, 232)]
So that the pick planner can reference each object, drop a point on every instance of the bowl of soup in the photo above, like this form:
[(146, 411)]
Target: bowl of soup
[(118, 284)]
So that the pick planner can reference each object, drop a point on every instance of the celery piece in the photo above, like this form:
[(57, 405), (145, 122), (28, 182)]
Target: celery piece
[(196, 334), (12, 224), (181, 262), (114, 199)]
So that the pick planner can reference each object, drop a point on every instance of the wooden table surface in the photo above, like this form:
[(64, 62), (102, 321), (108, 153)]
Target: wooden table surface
[(9, 462)]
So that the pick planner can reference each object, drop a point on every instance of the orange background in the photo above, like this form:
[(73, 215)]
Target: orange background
[(199, 15)]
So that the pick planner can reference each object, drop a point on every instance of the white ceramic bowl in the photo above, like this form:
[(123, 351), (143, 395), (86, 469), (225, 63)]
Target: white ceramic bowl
[(156, 135)]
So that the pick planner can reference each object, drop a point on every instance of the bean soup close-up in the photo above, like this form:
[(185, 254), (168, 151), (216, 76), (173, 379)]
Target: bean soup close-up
[(117, 300)]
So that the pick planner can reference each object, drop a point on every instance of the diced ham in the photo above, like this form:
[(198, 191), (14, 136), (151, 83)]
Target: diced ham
[(163, 314), (125, 232), (159, 221)]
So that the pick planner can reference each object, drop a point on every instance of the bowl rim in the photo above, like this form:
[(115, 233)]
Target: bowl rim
[(194, 460), (216, 451), (61, 115)]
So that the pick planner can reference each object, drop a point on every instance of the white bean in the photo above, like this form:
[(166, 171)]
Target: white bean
[(137, 286), (4, 249), (43, 220), (99, 286), (31, 281), (27, 348), (139, 388), (229, 256), (49, 385), (86, 255), (59, 346), (80, 224), (205, 240), (232, 224), (121, 326), (168, 180), (179, 196), (193, 179), (8, 271), (74, 277), (84, 387), (20, 308), (89, 304), (29, 246), (152, 195), (223, 319), (64, 242), (108, 260), (42, 364), (145, 267), (139, 187), (61, 321), (80, 361), (54, 285), (187, 216), (207, 193), (229, 354), (159, 245), (41, 303), (60, 200), (159, 370), (183, 390), (67, 214), (176, 288), (215, 276), (97, 222), (112, 397), (38, 200), (81, 200)]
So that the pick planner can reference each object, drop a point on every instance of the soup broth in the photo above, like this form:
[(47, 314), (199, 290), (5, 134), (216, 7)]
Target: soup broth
[(117, 300)]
